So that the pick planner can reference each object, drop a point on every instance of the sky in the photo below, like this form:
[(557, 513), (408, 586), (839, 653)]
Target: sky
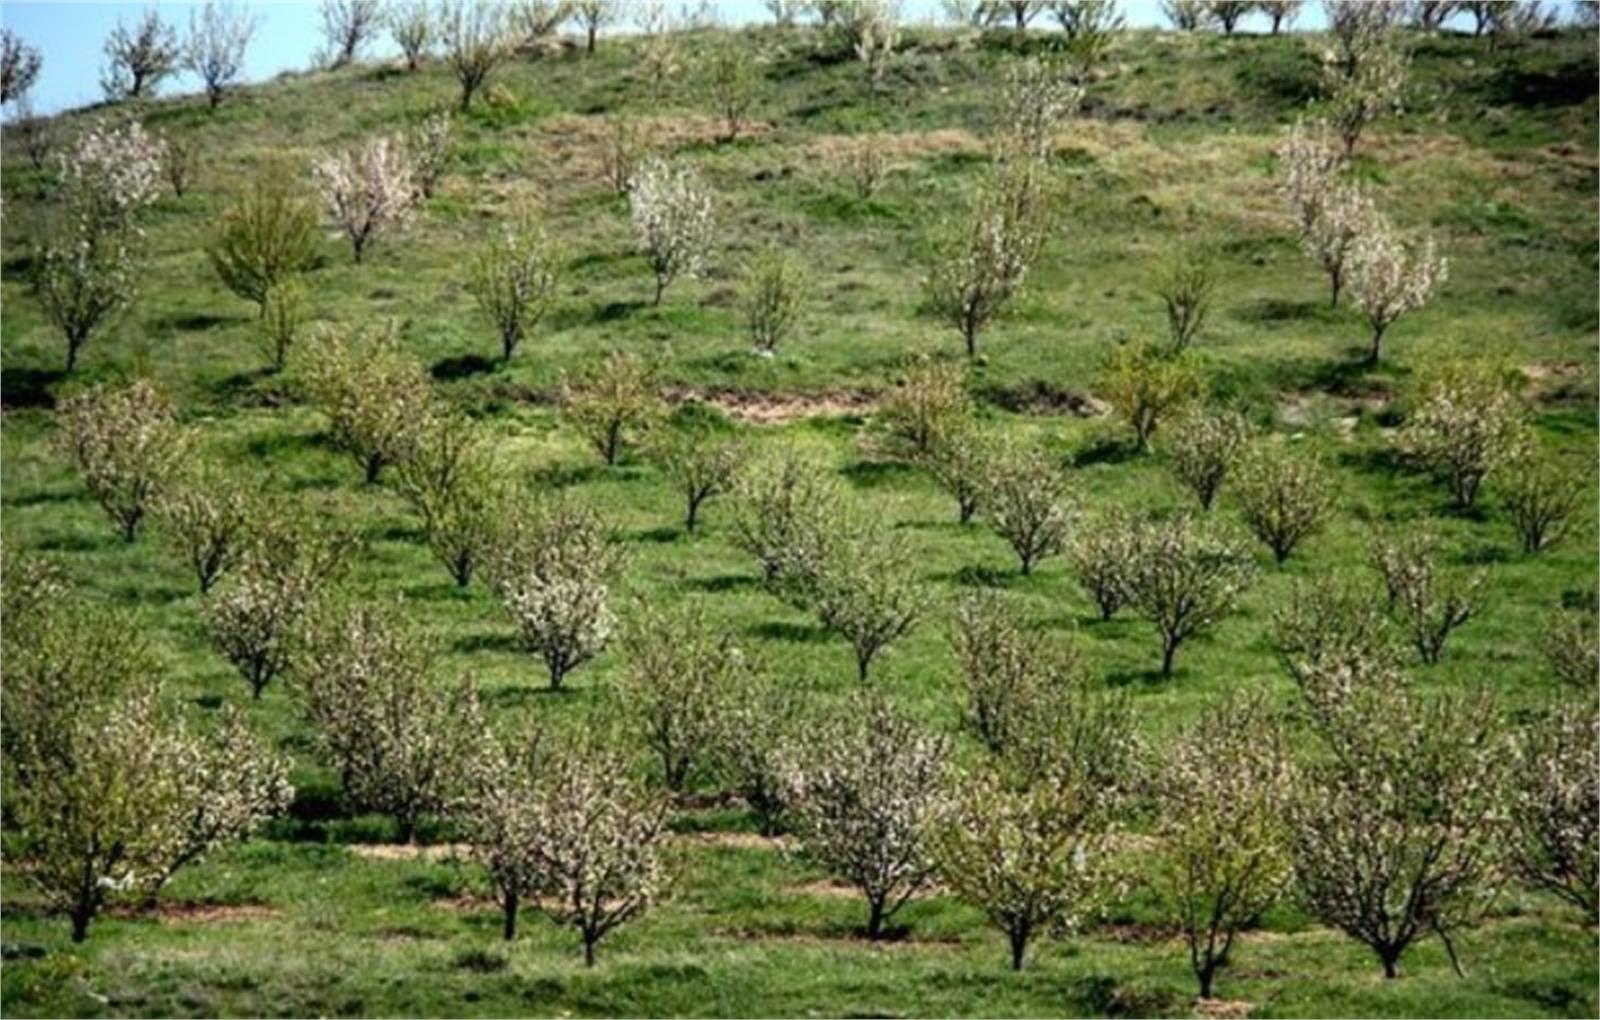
[(71, 34)]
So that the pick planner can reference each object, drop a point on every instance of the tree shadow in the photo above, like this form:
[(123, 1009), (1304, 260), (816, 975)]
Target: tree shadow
[(470, 643), (463, 366), (615, 311), (192, 322), (29, 387), (783, 630), (1105, 450), (722, 583)]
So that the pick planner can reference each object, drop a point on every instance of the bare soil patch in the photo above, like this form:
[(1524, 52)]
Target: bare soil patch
[(194, 912), (734, 840), (1223, 1009), (758, 408)]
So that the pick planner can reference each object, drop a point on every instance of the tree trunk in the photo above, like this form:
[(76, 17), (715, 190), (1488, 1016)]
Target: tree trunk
[(590, 49), (372, 468), (1207, 973), (1391, 964), (692, 518), (660, 286), (74, 343), (1377, 346), (1169, 648), (875, 918), (1019, 946), (1336, 276), (863, 660), (508, 904), (588, 948)]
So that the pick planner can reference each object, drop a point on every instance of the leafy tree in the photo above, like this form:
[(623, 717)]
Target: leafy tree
[(137, 61), (1183, 579), (128, 447), (699, 460), (785, 508), (1100, 553), (1204, 445), (265, 236), (612, 403), (454, 483), (928, 404), (732, 78), (1389, 276), (1186, 283), (1468, 423), (208, 514), (1429, 602), (1555, 806), (368, 190), (1028, 503), (774, 289), (375, 396), (960, 462), (1285, 496), (514, 281), (865, 590), (1144, 385)]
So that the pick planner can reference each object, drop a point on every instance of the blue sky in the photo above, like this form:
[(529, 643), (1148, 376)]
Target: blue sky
[(70, 35)]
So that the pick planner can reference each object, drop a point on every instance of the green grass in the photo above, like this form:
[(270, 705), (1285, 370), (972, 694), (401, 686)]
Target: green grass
[(1495, 159)]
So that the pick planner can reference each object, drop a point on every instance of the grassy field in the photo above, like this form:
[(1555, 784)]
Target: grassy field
[(1495, 157)]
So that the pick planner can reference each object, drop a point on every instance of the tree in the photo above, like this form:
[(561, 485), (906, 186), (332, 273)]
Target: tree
[(1183, 579), (1222, 792), (128, 447), (870, 29), (266, 236), (732, 77), (865, 162), (774, 288), (928, 404), (1034, 101), (613, 403), (367, 190), (180, 162), (1282, 13), (592, 16), (412, 25), (19, 67), (1028, 503), (514, 281), (672, 220), (430, 150), (1186, 15), (1227, 14), (865, 590), (1572, 645), (366, 680), (1363, 69), (1284, 496), (868, 790), (681, 673), (1144, 385), (1555, 805), (786, 508), (1328, 213), (553, 568), (959, 462), (34, 136), (1542, 496), (107, 793), (1430, 15), (658, 48), (1007, 668), (786, 12), (979, 267), (1393, 823), (1429, 602), (698, 460), (1389, 276), (1091, 28), (498, 811), (215, 47), (138, 61), (622, 150), (541, 18), (477, 39), (454, 483), (1186, 283), (348, 25), (282, 316), (1100, 553), (1204, 445), (375, 396), (1468, 423), (757, 740), (207, 515)]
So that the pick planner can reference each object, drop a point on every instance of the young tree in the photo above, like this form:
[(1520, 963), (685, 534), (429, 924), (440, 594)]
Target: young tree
[(680, 676), (698, 460), (1363, 70), (1344, 215), (215, 47), (128, 447), (1572, 645), (366, 680), (732, 79), (869, 790), (928, 405), (1186, 15), (138, 61), (266, 236), (1144, 384), (454, 483), (430, 152), (1222, 793), (553, 568), (34, 136), (367, 190), (1226, 14), (865, 590), (498, 810), (1429, 602), (1389, 277), (1327, 212), (592, 16), (623, 148), (412, 25), (658, 48), (207, 514), (1100, 553), (1555, 806), (283, 313), (348, 25), (514, 281), (613, 403), (672, 221), (1184, 579), (375, 396), (1091, 28), (1468, 423), (1282, 13), (1028, 502), (960, 462), (1204, 445), (1034, 101), (757, 740), (786, 508), (540, 19), (477, 38), (865, 161), (180, 162), (19, 67), (1007, 666), (1284, 496), (1542, 496), (1185, 283), (774, 288), (870, 29)]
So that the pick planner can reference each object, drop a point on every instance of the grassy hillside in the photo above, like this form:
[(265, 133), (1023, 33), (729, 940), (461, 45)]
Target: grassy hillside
[(1495, 158)]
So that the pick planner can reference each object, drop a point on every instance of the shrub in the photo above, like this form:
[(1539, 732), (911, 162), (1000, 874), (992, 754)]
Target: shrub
[(375, 396), (698, 461), (430, 148), (928, 404), (180, 162), (207, 514), (453, 482), (19, 67), (784, 510), (756, 742), (1572, 646), (265, 237), (672, 220), (367, 682), (1555, 806), (127, 446), (368, 190), (1028, 503), (138, 61), (347, 25), (411, 24), (477, 38), (1468, 424), (514, 281), (1183, 579), (1328, 629), (1222, 792), (282, 316), (622, 149), (866, 163), (774, 289), (1389, 276), (1204, 444), (1430, 603), (866, 591), (215, 47), (868, 792), (1005, 665), (1542, 497), (553, 570), (680, 676), (1144, 385), (1285, 496), (869, 29), (960, 463), (1186, 282), (107, 794), (612, 402), (732, 77), (1100, 553)]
